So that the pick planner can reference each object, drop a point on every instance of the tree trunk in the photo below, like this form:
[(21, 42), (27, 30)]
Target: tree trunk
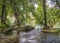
[(44, 9), (3, 15), (57, 3)]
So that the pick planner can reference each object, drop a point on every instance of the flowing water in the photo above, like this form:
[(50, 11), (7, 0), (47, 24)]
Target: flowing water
[(36, 36), (30, 37)]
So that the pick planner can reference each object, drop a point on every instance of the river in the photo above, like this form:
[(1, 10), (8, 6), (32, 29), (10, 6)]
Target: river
[(36, 36)]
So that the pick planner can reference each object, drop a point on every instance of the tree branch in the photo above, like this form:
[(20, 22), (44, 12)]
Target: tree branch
[(57, 3), (14, 5), (36, 16)]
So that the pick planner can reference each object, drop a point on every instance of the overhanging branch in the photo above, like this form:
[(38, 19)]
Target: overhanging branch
[(36, 17), (57, 3)]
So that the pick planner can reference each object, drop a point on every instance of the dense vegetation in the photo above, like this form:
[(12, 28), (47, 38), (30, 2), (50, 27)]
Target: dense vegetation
[(23, 15), (32, 12)]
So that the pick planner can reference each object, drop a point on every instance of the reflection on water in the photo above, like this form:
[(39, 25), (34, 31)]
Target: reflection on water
[(36, 36), (30, 37)]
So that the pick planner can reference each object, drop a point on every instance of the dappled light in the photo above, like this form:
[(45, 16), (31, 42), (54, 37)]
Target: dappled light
[(29, 21)]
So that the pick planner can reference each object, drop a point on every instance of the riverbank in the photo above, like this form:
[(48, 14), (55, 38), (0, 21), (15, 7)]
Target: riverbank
[(34, 36)]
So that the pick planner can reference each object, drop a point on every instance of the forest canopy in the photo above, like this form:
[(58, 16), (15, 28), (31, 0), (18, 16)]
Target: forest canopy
[(29, 12)]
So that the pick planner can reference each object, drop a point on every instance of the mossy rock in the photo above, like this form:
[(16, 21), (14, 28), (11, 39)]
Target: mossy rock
[(2, 28), (28, 28), (25, 28), (55, 30), (48, 31)]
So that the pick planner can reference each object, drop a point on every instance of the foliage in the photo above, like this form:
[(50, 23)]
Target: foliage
[(28, 12)]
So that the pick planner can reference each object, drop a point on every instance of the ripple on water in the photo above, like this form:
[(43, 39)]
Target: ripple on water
[(29, 37)]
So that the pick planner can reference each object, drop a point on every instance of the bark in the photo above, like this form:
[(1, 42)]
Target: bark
[(3, 15), (44, 9), (3, 12), (57, 3)]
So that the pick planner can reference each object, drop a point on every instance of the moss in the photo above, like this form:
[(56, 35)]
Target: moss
[(25, 28), (28, 28), (9, 39), (55, 31)]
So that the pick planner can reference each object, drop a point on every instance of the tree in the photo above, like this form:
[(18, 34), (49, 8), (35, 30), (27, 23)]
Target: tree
[(25, 11), (45, 16), (57, 2)]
